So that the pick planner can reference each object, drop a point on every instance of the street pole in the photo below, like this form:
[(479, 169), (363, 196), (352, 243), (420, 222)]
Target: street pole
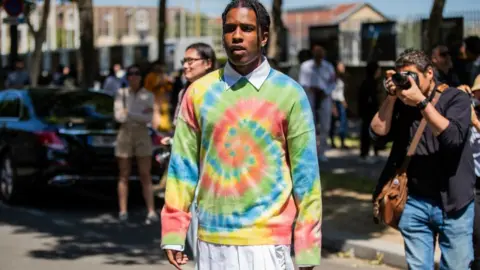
[(13, 44), (198, 21)]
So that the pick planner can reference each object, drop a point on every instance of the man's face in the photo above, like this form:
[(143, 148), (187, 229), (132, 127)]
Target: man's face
[(441, 58), (240, 36), (318, 53), (424, 79)]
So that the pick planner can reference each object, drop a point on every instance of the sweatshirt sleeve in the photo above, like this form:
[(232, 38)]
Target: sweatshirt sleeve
[(302, 153), (183, 174)]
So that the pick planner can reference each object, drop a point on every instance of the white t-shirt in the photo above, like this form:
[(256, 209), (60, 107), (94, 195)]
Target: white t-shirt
[(322, 76), (338, 94)]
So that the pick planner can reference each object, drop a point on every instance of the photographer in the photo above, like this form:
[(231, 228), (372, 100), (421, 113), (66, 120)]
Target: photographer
[(440, 174)]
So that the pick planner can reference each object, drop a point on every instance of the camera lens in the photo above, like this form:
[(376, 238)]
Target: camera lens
[(401, 80)]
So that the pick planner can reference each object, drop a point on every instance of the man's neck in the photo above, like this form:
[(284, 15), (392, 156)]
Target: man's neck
[(248, 68), (318, 62), (430, 91)]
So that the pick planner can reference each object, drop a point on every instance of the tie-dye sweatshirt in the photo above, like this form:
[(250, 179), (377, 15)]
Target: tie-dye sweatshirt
[(248, 145)]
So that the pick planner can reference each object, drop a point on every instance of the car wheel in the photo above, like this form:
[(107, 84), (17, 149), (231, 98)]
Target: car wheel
[(10, 190)]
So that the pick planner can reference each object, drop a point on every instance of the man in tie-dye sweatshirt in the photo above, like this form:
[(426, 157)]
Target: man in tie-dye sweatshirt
[(245, 141)]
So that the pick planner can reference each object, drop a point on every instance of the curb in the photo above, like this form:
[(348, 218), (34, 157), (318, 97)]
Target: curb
[(369, 249)]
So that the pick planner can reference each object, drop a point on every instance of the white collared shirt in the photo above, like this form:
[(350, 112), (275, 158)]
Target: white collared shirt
[(256, 77), (322, 76)]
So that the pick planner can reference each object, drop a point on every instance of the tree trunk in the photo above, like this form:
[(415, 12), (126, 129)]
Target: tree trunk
[(274, 46), (36, 61), (87, 45), (162, 6), (434, 27), (39, 35)]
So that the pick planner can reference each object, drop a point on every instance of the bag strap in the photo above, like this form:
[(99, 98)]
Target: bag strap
[(421, 128)]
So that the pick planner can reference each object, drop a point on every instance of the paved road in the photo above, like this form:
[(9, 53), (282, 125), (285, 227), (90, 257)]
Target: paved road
[(76, 229)]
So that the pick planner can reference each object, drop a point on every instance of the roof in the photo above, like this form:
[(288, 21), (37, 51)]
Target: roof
[(334, 14)]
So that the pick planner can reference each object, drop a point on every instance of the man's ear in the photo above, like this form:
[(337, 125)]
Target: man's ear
[(264, 39)]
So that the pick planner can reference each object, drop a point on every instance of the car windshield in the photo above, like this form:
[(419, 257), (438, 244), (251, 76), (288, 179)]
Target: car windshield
[(75, 104)]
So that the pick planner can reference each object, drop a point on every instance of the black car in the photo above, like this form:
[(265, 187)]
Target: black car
[(59, 137)]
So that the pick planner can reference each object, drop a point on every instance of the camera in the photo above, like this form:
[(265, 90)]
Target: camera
[(401, 79)]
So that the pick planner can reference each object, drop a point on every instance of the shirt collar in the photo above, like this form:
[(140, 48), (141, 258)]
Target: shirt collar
[(256, 77)]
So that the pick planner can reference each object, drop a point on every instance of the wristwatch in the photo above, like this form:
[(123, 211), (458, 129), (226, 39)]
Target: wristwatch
[(423, 104)]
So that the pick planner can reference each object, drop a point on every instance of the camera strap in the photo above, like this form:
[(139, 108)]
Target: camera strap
[(418, 134)]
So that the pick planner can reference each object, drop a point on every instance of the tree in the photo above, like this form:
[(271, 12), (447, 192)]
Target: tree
[(162, 6), (39, 37), (434, 27), (276, 31), (87, 44)]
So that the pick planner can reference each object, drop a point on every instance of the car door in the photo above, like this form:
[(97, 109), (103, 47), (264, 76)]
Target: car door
[(3, 142), (19, 133)]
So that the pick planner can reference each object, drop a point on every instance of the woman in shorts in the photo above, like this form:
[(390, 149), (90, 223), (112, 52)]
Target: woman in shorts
[(133, 108)]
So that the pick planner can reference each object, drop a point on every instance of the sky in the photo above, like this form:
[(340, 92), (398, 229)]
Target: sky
[(391, 8)]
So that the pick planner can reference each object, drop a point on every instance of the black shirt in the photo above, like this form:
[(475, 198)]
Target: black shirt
[(442, 167)]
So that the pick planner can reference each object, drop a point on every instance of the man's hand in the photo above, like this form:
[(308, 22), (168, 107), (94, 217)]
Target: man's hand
[(176, 258), (391, 88), (411, 96), (465, 88), (166, 140)]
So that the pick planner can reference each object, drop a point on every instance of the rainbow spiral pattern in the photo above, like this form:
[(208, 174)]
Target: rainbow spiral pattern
[(251, 153)]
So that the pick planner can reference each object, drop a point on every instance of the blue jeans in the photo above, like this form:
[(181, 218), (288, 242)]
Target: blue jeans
[(422, 220), (342, 117)]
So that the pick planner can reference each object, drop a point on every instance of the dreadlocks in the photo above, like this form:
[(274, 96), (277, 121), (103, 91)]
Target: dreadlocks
[(263, 18)]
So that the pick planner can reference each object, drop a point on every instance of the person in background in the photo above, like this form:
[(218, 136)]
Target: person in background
[(179, 82), (472, 50), (19, 77), (58, 76), (198, 61), (368, 105), (317, 76), (160, 85), (114, 80), (245, 143), (340, 108), (69, 77), (303, 55), (443, 66), (133, 108)]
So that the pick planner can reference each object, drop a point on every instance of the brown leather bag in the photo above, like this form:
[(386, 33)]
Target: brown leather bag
[(389, 204)]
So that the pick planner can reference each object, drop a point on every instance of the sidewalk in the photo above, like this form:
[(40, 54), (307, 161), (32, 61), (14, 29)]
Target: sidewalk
[(347, 214)]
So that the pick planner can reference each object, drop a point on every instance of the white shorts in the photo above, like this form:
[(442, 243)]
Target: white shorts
[(222, 257)]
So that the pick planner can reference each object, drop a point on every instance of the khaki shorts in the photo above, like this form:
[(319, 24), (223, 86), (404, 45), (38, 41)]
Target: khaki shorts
[(133, 141)]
